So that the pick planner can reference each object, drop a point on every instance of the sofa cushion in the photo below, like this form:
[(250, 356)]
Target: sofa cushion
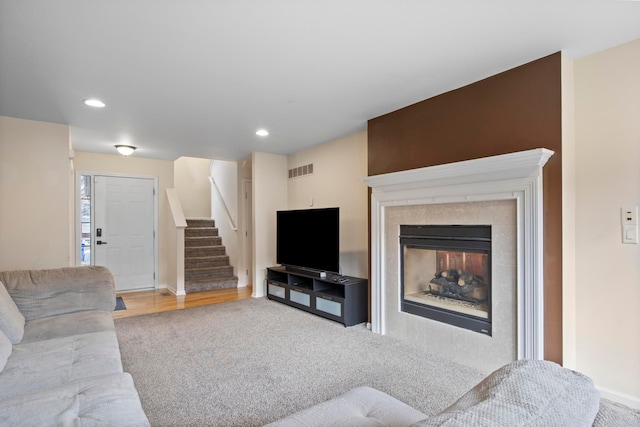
[(46, 364), (11, 320), (359, 407), (533, 393), (69, 324), (5, 350), (108, 400), (44, 293)]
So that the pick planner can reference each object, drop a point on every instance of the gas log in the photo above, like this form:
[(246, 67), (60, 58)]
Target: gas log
[(459, 284)]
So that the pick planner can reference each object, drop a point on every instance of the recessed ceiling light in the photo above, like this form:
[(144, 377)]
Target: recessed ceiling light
[(92, 102), (262, 132)]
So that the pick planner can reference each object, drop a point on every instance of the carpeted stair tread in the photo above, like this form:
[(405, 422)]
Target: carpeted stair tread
[(204, 251), (202, 241), (206, 261), (201, 232), (191, 286), (220, 279), (200, 222), (208, 273), (209, 268)]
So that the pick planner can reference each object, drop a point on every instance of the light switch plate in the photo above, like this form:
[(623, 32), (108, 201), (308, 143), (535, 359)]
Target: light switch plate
[(630, 234)]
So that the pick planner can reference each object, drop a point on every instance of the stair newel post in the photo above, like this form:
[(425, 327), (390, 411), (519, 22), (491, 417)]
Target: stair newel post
[(180, 261), (176, 284)]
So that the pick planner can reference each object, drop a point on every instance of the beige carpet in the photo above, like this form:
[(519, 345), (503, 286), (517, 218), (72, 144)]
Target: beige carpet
[(250, 362)]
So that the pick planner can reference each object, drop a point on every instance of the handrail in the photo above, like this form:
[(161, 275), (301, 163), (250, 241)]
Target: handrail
[(224, 205), (176, 208)]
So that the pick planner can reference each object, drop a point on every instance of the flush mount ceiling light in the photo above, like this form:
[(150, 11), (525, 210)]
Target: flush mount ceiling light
[(125, 150), (262, 132), (93, 102)]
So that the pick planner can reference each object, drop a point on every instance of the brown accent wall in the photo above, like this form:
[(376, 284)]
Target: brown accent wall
[(516, 110)]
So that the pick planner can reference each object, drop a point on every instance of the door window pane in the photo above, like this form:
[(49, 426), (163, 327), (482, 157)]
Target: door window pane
[(85, 219)]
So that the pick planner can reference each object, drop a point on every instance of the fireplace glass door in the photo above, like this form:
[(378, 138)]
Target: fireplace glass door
[(446, 274)]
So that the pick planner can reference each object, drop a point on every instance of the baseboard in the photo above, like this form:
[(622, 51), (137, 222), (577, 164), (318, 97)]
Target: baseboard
[(621, 398), (175, 291)]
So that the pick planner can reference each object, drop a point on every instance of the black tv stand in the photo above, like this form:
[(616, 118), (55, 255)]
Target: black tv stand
[(336, 297)]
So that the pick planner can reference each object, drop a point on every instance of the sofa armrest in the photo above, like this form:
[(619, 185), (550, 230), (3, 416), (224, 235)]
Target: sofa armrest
[(44, 293), (532, 393)]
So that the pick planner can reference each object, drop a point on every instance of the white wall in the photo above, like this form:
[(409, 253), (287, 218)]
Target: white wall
[(191, 181), (245, 230), (338, 169), (225, 176), (607, 271), (269, 173), (34, 195)]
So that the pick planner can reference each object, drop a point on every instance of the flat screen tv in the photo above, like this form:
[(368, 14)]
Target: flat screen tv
[(309, 239)]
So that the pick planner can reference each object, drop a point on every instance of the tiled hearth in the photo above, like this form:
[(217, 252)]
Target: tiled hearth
[(504, 192)]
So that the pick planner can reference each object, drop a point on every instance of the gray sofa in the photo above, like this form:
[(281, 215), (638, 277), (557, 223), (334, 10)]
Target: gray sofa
[(523, 393), (59, 356)]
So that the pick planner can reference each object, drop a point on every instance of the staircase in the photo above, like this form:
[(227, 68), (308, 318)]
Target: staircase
[(206, 265)]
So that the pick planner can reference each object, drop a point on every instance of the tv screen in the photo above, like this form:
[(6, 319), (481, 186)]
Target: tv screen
[(309, 238)]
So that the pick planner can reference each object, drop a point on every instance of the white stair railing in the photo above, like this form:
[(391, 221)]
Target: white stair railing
[(232, 223)]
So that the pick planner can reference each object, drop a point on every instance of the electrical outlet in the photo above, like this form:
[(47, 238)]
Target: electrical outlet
[(629, 216)]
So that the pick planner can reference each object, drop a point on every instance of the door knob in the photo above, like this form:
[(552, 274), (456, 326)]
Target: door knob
[(100, 242)]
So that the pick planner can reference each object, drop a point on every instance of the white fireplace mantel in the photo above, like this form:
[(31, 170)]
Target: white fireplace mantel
[(509, 176)]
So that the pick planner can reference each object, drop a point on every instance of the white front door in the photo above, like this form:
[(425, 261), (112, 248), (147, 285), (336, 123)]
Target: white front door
[(124, 230)]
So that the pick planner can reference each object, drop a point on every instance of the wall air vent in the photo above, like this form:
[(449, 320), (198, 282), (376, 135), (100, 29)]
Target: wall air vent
[(301, 171)]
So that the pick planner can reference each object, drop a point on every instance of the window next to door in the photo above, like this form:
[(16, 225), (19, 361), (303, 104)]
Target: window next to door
[(85, 219)]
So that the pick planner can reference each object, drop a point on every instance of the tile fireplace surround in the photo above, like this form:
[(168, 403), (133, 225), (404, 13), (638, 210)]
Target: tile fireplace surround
[(503, 191)]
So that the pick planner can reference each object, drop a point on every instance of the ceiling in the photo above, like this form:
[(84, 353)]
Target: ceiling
[(199, 77)]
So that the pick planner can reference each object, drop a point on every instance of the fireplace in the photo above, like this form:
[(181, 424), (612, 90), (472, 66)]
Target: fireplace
[(503, 191), (446, 274)]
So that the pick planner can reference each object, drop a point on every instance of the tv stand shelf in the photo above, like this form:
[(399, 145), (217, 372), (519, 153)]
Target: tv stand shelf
[(340, 298)]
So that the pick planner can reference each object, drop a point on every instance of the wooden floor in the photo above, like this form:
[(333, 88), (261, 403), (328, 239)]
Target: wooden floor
[(147, 302)]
